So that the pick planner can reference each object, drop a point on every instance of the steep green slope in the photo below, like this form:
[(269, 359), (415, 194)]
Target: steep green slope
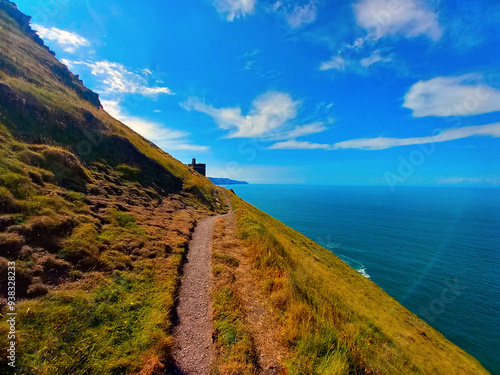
[(41, 101), (328, 318), (96, 218)]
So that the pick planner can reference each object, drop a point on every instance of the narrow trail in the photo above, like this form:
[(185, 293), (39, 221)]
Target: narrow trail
[(193, 333)]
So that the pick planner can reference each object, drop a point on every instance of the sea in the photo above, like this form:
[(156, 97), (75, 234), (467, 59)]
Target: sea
[(434, 249)]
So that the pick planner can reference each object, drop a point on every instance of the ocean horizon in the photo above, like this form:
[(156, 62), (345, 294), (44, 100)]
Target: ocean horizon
[(434, 249)]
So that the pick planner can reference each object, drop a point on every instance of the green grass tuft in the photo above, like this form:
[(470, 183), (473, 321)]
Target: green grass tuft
[(128, 172)]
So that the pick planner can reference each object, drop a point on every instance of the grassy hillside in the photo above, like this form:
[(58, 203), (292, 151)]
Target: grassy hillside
[(326, 317), (96, 218), (41, 101)]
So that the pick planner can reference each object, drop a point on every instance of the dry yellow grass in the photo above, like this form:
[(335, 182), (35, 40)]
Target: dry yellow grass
[(234, 352), (333, 320)]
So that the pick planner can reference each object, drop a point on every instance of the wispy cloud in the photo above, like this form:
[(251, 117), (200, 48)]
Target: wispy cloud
[(296, 15), (115, 82), (252, 63), (336, 63), (408, 18), (167, 139), (69, 41), (357, 65), (271, 116), (465, 95), (115, 78), (299, 145), (381, 143), (375, 57), (302, 15), (232, 9), (357, 44)]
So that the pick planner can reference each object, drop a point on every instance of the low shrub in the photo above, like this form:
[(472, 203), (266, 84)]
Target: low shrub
[(116, 260), (128, 172), (82, 248), (53, 268), (10, 243), (6, 199), (124, 219), (67, 169), (19, 185), (47, 231), (37, 289)]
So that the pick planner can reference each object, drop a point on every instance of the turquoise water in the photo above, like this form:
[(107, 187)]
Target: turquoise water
[(417, 243)]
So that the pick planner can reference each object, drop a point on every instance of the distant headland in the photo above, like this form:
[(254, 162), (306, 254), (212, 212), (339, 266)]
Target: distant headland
[(202, 169), (226, 181)]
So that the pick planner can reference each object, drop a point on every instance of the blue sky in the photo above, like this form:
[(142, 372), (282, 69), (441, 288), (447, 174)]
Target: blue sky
[(385, 92)]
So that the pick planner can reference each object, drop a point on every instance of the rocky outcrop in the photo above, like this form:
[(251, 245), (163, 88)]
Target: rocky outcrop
[(74, 82), (61, 72), (22, 20)]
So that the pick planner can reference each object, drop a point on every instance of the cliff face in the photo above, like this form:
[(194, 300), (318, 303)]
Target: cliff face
[(59, 70), (41, 101)]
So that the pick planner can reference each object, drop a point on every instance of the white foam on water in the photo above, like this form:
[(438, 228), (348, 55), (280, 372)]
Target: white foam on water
[(363, 272), (358, 266)]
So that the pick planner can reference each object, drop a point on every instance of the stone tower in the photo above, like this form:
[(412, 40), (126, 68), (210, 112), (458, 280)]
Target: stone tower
[(200, 168)]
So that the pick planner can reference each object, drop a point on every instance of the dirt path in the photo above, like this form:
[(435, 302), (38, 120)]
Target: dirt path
[(193, 333)]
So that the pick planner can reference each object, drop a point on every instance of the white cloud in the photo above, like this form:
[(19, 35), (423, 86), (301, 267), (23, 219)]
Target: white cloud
[(452, 96), (355, 65), (296, 15), (69, 41), (232, 9), (68, 63), (374, 58), (299, 145), (116, 79), (410, 18), (167, 139), (381, 143), (358, 44), (270, 117), (301, 15), (276, 6), (337, 63)]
